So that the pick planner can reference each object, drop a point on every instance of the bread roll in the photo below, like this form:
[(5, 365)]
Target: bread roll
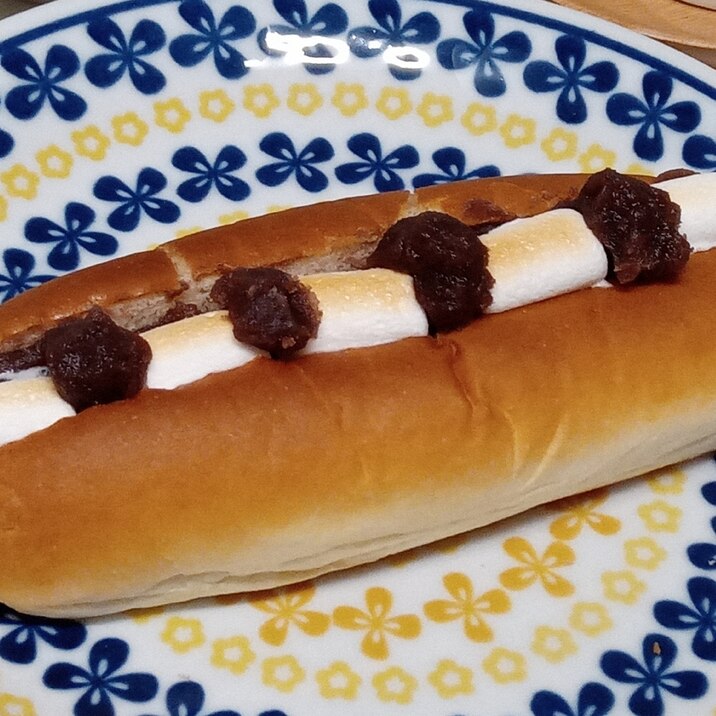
[(274, 472)]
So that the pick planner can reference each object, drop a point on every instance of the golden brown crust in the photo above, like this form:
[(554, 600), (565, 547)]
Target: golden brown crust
[(296, 468), (292, 234), (149, 281), (114, 283)]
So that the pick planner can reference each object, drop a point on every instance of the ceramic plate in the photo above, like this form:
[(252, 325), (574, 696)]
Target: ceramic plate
[(125, 124)]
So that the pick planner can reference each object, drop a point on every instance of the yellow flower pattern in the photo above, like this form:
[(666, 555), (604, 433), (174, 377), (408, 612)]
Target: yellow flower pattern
[(283, 673), (394, 103), (582, 511), (505, 666), (91, 142), (171, 115), (643, 553), (234, 654), (142, 616), (450, 679), (518, 131), (216, 105), (560, 144), (182, 634), (555, 645), (338, 681), (187, 231), (349, 98), (435, 109), (286, 608), (304, 98), (377, 622), (54, 162), (396, 685), (479, 119), (130, 128), (667, 482), (469, 607), (622, 586), (260, 100), (233, 217), (20, 182), (660, 516), (3, 208), (596, 158), (590, 618), (640, 169), (16, 706), (538, 568)]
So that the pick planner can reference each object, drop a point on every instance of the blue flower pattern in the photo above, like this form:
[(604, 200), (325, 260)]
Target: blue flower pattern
[(125, 56), (651, 675), (6, 143), (701, 617), (20, 644), (43, 84), (212, 38), (485, 52), (101, 682), (219, 174), (18, 277), (451, 161), (291, 161), (651, 112), (328, 21), (594, 700), (383, 169), (571, 77), (70, 238), (700, 152), (393, 39), (703, 554), (143, 199), (186, 698)]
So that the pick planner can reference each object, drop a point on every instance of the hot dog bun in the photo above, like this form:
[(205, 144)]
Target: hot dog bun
[(137, 289), (278, 471)]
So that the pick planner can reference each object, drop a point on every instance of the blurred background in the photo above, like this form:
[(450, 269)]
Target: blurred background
[(9, 7)]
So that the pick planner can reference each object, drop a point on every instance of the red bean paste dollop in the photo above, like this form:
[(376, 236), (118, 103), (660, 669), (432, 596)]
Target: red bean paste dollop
[(21, 359), (637, 224), (269, 309), (93, 361), (448, 263)]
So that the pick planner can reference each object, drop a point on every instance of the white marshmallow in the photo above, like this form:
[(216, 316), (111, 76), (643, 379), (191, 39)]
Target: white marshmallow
[(29, 405), (696, 194), (26, 374), (191, 349), (542, 256), (364, 308)]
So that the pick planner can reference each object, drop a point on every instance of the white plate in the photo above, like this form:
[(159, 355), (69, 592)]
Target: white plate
[(125, 124)]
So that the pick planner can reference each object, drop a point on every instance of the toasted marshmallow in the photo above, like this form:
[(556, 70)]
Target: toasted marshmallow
[(26, 374), (191, 349), (542, 256), (364, 308), (28, 405), (696, 194)]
